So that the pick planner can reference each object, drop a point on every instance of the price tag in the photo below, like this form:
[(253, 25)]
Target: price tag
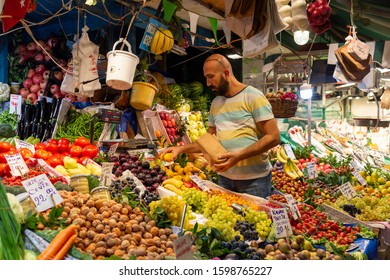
[(347, 190), (281, 222), (110, 116), (112, 149), (17, 165), (359, 177), (355, 165), (182, 248), (42, 192), (15, 104), (311, 170), (293, 206), (289, 151), (106, 176), (199, 182), (22, 144)]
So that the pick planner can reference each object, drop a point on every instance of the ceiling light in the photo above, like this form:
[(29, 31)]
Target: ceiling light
[(301, 37), (234, 56)]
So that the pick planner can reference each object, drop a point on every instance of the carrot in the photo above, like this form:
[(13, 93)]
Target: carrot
[(57, 243), (64, 249)]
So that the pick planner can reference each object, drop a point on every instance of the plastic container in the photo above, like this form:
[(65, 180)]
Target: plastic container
[(121, 66), (101, 193), (142, 95), (26, 203), (79, 183)]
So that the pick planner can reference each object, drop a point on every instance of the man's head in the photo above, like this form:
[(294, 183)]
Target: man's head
[(218, 72)]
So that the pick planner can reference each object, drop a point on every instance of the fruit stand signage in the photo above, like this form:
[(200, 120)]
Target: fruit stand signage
[(347, 190), (15, 105), (281, 222), (359, 177), (293, 206), (106, 176), (182, 248), (289, 151), (17, 165), (22, 144), (311, 170), (199, 182), (113, 149), (42, 192), (356, 166)]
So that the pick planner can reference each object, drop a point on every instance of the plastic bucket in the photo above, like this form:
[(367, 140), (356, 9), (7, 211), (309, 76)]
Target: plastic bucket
[(142, 95), (121, 66)]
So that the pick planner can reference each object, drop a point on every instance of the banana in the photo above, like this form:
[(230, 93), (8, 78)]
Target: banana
[(155, 41), (295, 168), (289, 171), (173, 189), (172, 181), (160, 48), (170, 40), (279, 155)]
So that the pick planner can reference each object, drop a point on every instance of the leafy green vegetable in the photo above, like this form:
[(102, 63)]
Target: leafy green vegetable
[(161, 218), (208, 242), (54, 218), (93, 182)]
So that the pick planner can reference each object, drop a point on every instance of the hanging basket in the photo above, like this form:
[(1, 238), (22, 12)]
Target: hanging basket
[(283, 108)]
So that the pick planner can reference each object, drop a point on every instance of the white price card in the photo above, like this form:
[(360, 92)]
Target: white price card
[(106, 176), (17, 164), (347, 190), (311, 170), (183, 248), (356, 166), (292, 203), (359, 177), (113, 149), (42, 192), (199, 182), (281, 222), (22, 144), (289, 151), (15, 104)]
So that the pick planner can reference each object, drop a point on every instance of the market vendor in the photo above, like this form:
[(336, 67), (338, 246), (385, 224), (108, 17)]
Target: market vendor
[(241, 117)]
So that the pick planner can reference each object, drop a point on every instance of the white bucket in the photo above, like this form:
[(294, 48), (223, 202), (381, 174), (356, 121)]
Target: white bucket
[(121, 67)]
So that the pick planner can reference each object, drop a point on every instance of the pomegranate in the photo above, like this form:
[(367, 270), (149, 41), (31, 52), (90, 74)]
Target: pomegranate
[(34, 88), (39, 57), (41, 92), (24, 92), (27, 83), (30, 73), (43, 84), (40, 68), (32, 46), (21, 49), (37, 79), (31, 98), (46, 75)]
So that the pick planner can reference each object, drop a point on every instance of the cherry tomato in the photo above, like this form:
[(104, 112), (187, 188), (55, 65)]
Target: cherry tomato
[(52, 147), (5, 147), (75, 151), (90, 151), (43, 154), (40, 146), (26, 153), (82, 142)]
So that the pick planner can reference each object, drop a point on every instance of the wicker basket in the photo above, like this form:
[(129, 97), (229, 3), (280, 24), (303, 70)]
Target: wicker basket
[(283, 108)]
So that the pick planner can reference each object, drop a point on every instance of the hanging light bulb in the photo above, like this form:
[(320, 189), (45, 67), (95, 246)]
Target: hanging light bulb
[(301, 37), (306, 91)]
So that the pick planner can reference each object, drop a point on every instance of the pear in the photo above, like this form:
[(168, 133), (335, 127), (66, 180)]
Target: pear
[(299, 239), (307, 246)]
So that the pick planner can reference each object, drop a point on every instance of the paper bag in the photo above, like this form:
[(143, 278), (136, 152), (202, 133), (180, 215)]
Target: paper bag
[(210, 147)]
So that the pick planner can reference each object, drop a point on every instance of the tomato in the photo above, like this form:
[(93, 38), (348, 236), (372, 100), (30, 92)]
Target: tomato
[(77, 159), (52, 141), (62, 147), (13, 149), (82, 142), (63, 141), (5, 147), (4, 169), (55, 160), (2, 156), (43, 154), (90, 151), (75, 151), (66, 153), (52, 147), (26, 153), (40, 146)]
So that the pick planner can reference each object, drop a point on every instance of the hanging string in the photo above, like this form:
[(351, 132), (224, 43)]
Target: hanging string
[(352, 22)]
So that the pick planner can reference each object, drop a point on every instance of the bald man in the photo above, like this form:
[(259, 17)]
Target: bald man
[(241, 118)]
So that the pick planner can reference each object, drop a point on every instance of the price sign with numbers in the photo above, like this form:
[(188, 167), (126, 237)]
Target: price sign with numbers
[(106, 176), (347, 190), (113, 149), (359, 178), (201, 184), (289, 151), (42, 192), (355, 165), (17, 165), (311, 170), (182, 248), (293, 206), (22, 144), (281, 222)]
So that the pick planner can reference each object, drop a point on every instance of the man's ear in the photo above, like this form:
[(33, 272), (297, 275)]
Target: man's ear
[(226, 72)]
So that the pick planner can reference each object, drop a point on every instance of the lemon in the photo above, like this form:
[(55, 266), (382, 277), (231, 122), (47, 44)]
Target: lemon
[(168, 157)]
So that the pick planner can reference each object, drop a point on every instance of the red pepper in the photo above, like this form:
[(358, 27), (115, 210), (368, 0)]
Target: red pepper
[(319, 29), (318, 12)]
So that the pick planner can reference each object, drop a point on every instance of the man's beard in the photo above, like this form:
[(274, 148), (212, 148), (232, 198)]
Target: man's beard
[(222, 88)]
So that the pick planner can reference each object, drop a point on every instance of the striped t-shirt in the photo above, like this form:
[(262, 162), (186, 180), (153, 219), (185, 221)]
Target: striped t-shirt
[(235, 121)]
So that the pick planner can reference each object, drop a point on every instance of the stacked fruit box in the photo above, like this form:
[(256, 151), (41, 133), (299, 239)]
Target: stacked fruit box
[(171, 122)]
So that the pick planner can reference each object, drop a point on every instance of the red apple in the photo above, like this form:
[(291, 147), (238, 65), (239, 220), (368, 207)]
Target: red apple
[(34, 88), (30, 73), (27, 83), (37, 79), (24, 92)]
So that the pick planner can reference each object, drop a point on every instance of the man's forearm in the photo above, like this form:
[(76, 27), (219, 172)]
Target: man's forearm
[(190, 148), (263, 145)]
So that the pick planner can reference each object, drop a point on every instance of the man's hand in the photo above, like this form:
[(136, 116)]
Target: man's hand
[(225, 161), (174, 150)]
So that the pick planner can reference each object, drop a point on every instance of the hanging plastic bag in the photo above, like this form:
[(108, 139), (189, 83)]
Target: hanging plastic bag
[(83, 78)]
